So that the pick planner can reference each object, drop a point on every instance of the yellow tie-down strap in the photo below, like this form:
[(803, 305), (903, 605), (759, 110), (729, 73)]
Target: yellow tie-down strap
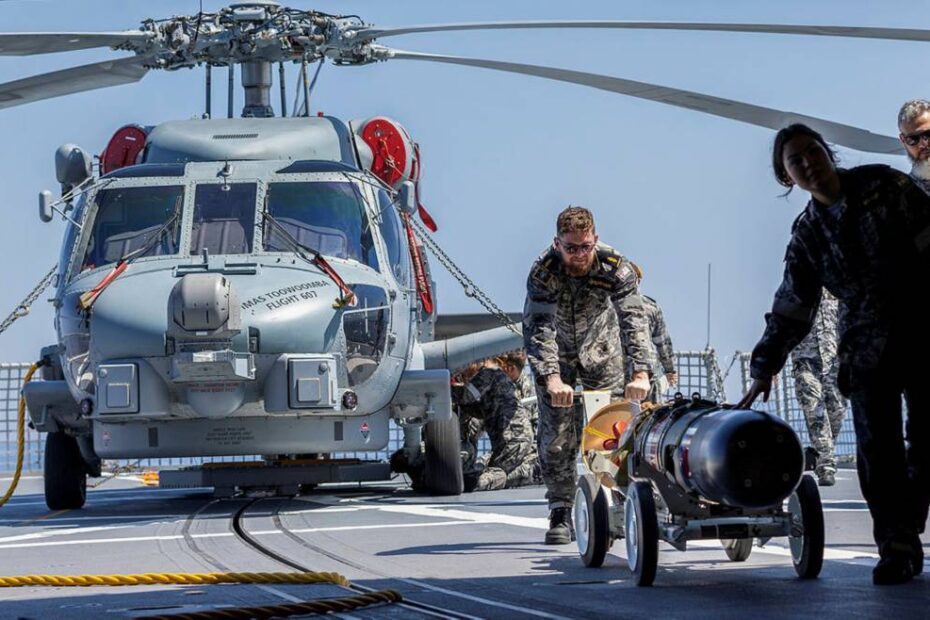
[(597, 433)]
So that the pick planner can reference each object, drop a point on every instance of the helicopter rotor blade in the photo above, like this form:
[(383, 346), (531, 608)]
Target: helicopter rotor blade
[(899, 34), (28, 43), (838, 133), (73, 80)]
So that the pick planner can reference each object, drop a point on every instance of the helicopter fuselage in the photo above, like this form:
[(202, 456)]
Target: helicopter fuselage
[(221, 336)]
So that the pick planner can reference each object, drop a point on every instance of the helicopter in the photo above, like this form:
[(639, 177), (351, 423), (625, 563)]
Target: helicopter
[(222, 324)]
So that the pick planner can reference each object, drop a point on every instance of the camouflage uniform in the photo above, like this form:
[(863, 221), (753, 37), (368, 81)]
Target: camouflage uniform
[(870, 251), (470, 429), (526, 389), (490, 396), (571, 327), (815, 369), (661, 353)]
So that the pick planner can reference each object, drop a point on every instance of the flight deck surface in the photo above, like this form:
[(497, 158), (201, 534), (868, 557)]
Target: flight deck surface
[(474, 555)]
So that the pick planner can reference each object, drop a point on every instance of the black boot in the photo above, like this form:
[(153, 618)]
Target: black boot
[(561, 531), (893, 570), (470, 479)]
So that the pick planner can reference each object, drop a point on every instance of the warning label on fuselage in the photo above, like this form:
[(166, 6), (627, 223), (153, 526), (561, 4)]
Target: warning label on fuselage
[(229, 436)]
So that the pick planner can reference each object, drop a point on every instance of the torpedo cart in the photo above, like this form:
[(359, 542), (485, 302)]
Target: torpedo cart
[(692, 469)]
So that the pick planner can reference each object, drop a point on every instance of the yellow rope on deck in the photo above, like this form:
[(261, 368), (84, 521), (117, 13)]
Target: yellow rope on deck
[(151, 579)]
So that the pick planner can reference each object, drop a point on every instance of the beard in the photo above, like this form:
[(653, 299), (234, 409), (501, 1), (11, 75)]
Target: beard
[(920, 168), (576, 270)]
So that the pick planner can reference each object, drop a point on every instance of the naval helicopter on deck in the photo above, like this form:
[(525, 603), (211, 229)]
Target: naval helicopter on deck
[(257, 285)]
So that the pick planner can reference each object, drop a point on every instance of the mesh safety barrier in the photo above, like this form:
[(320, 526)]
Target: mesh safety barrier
[(783, 402)]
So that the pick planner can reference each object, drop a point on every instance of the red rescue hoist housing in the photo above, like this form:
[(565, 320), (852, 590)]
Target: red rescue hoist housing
[(395, 158), (124, 148)]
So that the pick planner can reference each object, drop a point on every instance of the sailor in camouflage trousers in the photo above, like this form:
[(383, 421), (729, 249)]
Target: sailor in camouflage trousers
[(490, 396), (582, 313), (865, 237), (815, 368)]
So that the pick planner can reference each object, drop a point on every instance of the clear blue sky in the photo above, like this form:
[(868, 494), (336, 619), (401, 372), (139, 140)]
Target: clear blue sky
[(672, 189)]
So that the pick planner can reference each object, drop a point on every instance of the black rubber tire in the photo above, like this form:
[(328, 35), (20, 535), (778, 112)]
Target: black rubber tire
[(442, 472), (644, 541), (65, 473), (807, 548), (737, 549), (592, 522)]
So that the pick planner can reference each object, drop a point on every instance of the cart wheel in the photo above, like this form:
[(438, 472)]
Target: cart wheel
[(807, 536), (592, 521), (738, 549), (641, 532)]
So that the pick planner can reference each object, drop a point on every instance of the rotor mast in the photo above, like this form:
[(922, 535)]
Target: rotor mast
[(256, 82)]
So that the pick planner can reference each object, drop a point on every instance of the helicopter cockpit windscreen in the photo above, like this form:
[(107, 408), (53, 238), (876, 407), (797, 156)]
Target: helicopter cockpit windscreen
[(224, 218), (136, 221), (326, 216), (393, 238)]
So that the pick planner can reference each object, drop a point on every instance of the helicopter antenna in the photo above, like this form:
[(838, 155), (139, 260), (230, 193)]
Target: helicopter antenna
[(707, 346)]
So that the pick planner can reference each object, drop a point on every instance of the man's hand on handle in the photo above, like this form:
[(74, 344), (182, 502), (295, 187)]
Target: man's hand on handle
[(759, 386), (560, 393), (638, 388)]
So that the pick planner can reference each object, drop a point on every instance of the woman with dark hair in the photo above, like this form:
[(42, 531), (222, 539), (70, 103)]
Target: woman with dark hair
[(865, 237)]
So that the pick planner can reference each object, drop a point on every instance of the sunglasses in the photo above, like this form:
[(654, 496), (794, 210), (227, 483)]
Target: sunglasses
[(914, 139), (572, 248)]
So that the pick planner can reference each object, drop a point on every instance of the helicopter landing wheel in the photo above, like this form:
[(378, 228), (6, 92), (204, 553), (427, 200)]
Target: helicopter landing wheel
[(442, 472), (65, 473)]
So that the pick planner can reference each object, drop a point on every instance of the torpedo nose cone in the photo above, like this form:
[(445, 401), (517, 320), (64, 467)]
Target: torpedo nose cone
[(746, 458)]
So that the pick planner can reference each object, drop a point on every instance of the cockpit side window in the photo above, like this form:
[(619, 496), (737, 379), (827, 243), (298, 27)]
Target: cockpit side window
[(72, 234), (326, 216), (224, 218), (130, 219), (394, 238)]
